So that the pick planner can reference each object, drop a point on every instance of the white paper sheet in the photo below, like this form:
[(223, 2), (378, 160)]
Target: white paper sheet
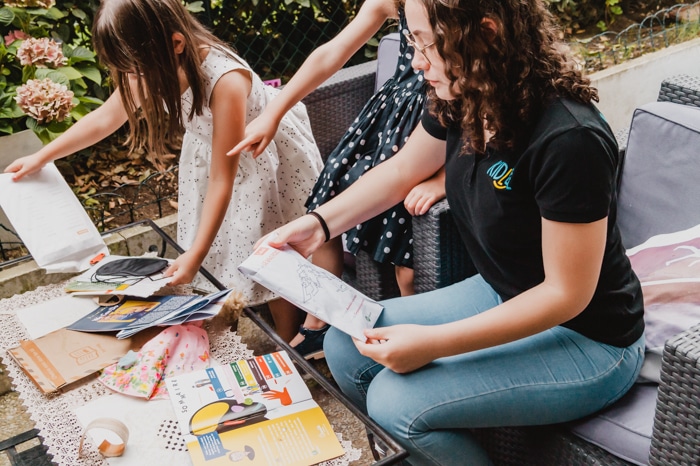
[(313, 289), (154, 436), (47, 316), (51, 221)]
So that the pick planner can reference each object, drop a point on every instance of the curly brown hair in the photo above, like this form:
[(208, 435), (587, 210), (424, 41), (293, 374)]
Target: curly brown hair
[(134, 37), (502, 82)]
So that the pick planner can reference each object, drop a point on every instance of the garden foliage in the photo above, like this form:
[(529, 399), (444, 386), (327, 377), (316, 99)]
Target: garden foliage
[(49, 76)]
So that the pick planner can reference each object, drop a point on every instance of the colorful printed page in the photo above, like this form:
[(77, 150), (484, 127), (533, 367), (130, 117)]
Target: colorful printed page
[(133, 315), (258, 410)]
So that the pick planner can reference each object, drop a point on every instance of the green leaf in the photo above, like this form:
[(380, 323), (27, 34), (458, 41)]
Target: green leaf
[(6, 16), (11, 112), (195, 7), (79, 54), (70, 72), (78, 13), (55, 76), (79, 111), (55, 13), (86, 99), (90, 72), (59, 126)]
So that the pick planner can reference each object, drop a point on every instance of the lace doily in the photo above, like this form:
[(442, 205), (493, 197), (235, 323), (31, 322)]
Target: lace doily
[(54, 415)]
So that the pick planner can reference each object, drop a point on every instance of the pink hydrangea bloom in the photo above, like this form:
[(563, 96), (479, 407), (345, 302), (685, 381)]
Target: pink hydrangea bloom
[(15, 35), (45, 100), (42, 52), (31, 3)]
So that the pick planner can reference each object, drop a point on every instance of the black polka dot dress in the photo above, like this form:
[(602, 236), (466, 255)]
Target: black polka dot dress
[(378, 132), (268, 191)]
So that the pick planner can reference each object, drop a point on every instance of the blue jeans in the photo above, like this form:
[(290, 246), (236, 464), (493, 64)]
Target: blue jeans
[(555, 376)]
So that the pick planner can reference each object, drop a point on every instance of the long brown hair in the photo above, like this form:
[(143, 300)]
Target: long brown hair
[(134, 37), (502, 82)]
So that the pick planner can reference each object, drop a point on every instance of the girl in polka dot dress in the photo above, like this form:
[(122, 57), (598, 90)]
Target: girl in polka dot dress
[(381, 128), (171, 75)]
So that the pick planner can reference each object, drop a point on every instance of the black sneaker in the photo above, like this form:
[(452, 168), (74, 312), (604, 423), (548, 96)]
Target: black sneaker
[(312, 346)]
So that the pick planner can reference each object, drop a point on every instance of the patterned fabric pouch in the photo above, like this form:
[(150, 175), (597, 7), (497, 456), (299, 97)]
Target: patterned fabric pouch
[(175, 350)]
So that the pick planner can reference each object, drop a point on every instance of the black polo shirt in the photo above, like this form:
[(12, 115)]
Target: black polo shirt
[(566, 174)]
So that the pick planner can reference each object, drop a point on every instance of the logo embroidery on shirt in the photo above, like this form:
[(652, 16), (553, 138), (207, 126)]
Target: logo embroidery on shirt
[(501, 174)]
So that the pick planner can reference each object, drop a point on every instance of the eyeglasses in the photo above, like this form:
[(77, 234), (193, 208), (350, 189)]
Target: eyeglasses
[(412, 42)]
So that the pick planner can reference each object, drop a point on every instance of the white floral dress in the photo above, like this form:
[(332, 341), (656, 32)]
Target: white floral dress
[(268, 192)]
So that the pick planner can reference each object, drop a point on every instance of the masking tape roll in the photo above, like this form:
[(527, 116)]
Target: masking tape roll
[(106, 448)]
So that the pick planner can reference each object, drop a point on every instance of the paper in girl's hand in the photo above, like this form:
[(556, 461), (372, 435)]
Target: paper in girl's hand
[(311, 288), (51, 221)]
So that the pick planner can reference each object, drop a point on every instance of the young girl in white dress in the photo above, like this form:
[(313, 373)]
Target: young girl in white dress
[(171, 75)]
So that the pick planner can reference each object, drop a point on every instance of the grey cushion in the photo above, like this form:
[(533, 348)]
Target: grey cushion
[(623, 429), (387, 58), (660, 179), (660, 186)]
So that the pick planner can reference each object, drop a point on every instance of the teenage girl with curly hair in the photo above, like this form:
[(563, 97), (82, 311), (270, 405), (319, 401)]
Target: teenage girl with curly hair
[(551, 327)]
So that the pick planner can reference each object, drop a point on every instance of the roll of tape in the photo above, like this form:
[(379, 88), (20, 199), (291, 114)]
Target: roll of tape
[(107, 448)]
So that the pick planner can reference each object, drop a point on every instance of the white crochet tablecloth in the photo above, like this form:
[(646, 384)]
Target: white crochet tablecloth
[(55, 415)]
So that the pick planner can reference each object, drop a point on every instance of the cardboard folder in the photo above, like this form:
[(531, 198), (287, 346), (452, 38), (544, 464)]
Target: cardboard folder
[(63, 356)]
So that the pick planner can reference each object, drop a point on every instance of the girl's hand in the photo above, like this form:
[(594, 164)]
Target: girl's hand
[(303, 234), (258, 134), (183, 269), (25, 166), (422, 197), (401, 348)]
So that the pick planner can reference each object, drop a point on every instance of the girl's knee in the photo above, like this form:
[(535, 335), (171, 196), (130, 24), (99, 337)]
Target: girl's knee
[(341, 354)]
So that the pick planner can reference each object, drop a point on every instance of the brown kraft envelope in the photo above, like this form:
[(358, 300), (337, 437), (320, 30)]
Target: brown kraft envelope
[(64, 356)]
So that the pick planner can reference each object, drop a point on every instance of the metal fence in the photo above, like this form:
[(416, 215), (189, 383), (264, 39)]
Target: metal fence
[(664, 28), (296, 31), (275, 37)]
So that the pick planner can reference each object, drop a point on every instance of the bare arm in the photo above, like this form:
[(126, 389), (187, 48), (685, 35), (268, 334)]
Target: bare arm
[(378, 189), (319, 66), (572, 255), (87, 131), (422, 197), (228, 106)]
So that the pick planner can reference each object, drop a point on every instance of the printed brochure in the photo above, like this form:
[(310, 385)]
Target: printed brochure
[(257, 410), (132, 315), (313, 289)]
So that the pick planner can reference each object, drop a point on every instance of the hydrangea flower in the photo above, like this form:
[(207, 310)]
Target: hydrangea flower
[(31, 4), (45, 100), (42, 52), (15, 35)]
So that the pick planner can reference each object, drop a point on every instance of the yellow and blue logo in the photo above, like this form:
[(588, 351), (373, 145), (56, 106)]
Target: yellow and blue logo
[(501, 174)]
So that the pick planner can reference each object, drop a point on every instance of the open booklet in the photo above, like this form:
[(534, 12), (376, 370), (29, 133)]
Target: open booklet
[(132, 315), (257, 410), (313, 289)]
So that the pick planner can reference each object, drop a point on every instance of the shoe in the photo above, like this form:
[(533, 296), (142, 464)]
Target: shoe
[(312, 346)]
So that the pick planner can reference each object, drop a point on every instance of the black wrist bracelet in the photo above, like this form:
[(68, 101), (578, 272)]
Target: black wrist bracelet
[(323, 224)]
